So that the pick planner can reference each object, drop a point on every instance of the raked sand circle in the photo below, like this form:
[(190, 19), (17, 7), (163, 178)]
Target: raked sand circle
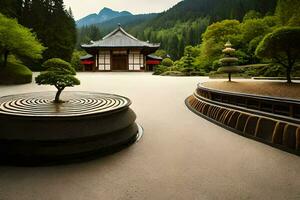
[(35, 130)]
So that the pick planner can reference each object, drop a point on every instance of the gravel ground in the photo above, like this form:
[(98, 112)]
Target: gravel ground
[(181, 155), (266, 88)]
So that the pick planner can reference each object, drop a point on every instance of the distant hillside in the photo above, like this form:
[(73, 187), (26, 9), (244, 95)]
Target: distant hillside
[(184, 23), (214, 9), (105, 14), (127, 22)]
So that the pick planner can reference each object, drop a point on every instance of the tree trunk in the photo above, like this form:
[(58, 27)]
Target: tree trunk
[(288, 75), (6, 52), (58, 93), (229, 77)]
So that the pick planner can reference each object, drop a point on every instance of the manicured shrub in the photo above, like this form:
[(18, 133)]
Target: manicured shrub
[(167, 62), (75, 61), (281, 47), (15, 73), (160, 69), (229, 61), (58, 73)]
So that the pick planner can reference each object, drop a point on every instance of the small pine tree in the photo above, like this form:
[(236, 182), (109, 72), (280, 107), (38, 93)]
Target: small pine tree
[(229, 61), (58, 73), (188, 61)]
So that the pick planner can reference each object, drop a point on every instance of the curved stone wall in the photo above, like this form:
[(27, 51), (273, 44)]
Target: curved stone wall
[(34, 130), (279, 131)]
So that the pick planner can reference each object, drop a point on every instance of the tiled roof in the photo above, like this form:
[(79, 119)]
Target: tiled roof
[(120, 38), (151, 56), (88, 56)]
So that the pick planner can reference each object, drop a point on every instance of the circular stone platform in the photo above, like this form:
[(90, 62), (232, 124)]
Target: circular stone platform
[(35, 130)]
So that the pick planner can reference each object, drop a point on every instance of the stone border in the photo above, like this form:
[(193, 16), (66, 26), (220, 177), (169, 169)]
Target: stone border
[(274, 130), (283, 108), (275, 78)]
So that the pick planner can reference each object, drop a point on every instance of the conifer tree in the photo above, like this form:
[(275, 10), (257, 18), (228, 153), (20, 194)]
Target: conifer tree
[(229, 61)]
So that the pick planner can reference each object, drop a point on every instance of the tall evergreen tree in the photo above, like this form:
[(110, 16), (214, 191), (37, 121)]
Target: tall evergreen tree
[(52, 23)]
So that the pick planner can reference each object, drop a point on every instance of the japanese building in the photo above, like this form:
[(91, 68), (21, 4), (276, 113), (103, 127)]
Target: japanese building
[(118, 51)]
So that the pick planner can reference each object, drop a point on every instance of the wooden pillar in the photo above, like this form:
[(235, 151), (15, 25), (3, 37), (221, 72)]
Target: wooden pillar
[(111, 60), (97, 67), (128, 52), (145, 66)]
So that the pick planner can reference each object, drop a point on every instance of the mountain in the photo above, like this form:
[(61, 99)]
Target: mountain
[(127, 22), (216, 10), (105, 14)]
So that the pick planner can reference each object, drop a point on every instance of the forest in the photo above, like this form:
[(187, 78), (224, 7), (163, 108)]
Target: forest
[(53, 25), (183, 24), (192, 33)]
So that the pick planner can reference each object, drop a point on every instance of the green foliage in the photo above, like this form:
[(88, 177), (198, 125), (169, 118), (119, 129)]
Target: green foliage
[(229, 61), (18, 40), (86, 34), (174, 39), (75, 61), (216, 9), (281, 42), (167, 62), (253, 28), (58, 66), (53, 25), (245, 36), (287, 10), (58, 73), (9, 7), (216, 65), (281, 47), (188, 65), (160, 69), (252, 14), (214, 39), (172, 73), (161, 53), (183, 24), (15, 73)]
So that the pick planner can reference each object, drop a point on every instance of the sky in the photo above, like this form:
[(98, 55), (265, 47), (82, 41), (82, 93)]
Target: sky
[(81, 8)]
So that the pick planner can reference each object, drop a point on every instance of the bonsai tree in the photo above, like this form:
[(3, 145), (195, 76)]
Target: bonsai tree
[(58, 73), (282, 47), (229, 61)]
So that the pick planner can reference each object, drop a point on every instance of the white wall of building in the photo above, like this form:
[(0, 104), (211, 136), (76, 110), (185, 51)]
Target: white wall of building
[(104, 60), (136, 60)]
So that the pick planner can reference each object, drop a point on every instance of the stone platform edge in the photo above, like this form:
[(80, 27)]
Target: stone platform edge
[(277, 131)]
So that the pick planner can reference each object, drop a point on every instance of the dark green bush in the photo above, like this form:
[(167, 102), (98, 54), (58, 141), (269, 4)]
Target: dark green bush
[(15, 73), (160, 69), (197, 73), (172, 73)]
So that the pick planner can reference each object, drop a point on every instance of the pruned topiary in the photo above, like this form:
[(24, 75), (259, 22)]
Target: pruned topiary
[(58, 73), (229, 61)]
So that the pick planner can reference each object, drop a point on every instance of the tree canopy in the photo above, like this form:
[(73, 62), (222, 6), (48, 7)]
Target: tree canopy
[(53, 24), (18, 40), (58, 73), (282, 47), (287, 10)]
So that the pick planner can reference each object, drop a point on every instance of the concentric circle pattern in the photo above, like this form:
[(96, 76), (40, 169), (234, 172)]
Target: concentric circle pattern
[(76, 104)]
